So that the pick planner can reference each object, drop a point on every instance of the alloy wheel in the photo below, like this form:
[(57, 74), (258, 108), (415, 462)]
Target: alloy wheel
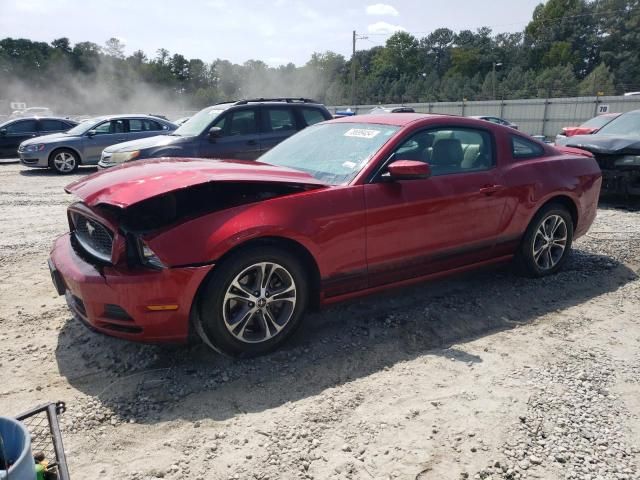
[(259, 302), (550, 242), (64, 162)]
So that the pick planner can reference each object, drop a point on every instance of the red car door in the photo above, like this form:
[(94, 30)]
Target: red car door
[(418, 227)]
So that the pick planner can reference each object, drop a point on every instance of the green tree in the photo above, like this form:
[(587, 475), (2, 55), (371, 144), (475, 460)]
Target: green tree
[(114, 48), (399, 57), (599, 80)]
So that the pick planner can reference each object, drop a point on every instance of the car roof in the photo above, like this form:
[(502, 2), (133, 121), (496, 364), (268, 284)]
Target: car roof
[(288, 101), (101, 118), (38, 117)]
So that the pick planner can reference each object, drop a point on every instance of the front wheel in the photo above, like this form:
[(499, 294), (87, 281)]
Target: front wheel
[(547, 241), (64, 161), (253, 302)]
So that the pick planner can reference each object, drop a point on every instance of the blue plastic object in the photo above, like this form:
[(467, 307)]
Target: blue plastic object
[(17, 449)]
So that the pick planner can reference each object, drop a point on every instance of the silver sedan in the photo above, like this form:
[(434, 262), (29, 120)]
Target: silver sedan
[(83, 144)]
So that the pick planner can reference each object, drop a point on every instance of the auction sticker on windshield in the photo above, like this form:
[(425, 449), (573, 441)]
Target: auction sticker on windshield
[(361, 133)]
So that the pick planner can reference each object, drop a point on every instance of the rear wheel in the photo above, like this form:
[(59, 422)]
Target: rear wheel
[(547, 241), (253, 302), (64, 161)]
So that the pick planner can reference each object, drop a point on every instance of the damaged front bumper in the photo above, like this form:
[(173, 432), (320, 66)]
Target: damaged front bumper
[(622, 182), (620, 174), (126, 303)]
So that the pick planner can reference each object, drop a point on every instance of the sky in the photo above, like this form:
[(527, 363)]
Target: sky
[(274, 31)]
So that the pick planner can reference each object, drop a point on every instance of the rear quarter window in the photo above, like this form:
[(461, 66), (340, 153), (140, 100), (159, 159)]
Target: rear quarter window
[(312, 115), (522, 148)]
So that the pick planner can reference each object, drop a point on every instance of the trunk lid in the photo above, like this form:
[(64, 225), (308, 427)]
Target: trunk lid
[(135, 182)]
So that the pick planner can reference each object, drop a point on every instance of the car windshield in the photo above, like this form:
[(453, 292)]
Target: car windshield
[(627, 124), (84, 127), (597, 122), (196, 124), (331, 152)]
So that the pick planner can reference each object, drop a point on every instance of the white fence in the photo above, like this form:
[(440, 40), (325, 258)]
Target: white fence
[(536, 116)]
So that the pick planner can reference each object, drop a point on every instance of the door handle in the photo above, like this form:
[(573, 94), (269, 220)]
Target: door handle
[(122, 139), (251, 142), (491, 189)]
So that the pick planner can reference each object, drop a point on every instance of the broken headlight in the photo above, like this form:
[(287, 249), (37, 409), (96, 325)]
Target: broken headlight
[(148, 256)]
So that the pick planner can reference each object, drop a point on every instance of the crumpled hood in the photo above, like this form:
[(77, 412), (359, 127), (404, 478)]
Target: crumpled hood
[(51, 138), (135, 182), (606, 144), (149, 142)]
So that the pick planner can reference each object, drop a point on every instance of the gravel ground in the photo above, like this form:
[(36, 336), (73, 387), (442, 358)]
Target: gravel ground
[(483, 376)]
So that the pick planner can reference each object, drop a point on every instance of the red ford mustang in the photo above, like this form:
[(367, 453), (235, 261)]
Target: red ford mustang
[(236, 251)]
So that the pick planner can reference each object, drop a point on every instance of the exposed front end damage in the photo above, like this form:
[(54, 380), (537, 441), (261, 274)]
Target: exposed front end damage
[(618, 158), (620, 173), (115, 279)]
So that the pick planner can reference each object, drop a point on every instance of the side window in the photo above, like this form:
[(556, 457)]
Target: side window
[(523, 148), (152, 126), (111, 127), (243, 122), (23, 126), (52, 126), (118, 126), (279, 119), (136, 125), (449, 150), (102, 129), (312, 115), (221, 123)]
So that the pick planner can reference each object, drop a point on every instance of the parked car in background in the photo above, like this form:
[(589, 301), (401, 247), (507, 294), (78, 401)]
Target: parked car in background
[(344, 113), (589, 127), (616, 147), (344, 208), (181, 120), (83, 144), (32, 112), (381, 109), (244, 130), (496, 120), (14, 132)]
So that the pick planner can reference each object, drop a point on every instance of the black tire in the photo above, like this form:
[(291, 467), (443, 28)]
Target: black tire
[(68, 165), (215, 310), (550, 260)]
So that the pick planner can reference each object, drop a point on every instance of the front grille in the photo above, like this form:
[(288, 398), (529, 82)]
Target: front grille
[(93, 237)]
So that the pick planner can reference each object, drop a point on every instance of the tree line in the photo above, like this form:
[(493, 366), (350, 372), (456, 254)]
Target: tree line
[(569, 48)]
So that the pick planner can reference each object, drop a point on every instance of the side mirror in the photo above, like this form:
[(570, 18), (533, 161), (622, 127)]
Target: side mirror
[(215, 132), (409, 170), (91, 133), (3, 132)]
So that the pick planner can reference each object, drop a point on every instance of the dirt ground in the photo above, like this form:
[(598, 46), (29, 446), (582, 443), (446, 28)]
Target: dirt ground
[(484, 376)]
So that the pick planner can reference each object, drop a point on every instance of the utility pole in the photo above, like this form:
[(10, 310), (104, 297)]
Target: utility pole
[(494, 77), (353, 72), (353, 67)]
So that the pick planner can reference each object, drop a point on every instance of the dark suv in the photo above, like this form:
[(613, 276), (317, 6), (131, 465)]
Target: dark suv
[(14, 132), (242, 130)]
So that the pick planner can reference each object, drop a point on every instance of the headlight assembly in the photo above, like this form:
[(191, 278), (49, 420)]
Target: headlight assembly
[(34, 147), (121, 157)]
